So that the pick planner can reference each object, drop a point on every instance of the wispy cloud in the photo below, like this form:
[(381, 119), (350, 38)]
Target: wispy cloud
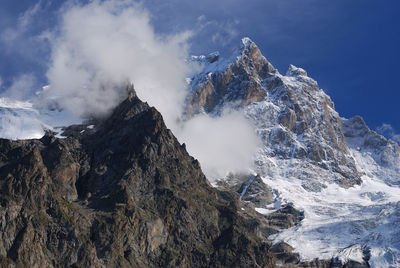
[(388, 131), (10, 35), (221, 32), (21, 87)]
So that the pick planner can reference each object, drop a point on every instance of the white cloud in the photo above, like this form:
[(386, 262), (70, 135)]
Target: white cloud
[(101, 46), (222, 144), (226, 33)]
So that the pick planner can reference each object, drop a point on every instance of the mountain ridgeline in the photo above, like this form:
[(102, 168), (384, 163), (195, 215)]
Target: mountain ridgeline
[(344, 176), (123, 192)]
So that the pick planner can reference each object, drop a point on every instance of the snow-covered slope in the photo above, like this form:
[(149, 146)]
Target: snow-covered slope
[(22, 120), (19, 120), (344, 178)]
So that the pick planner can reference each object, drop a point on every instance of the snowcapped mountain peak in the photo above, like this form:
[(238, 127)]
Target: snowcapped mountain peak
[(249, 48), (206, 59), (383, 152), (343, 175), (249, 55), (294, 117), (247, 42), (239, 79)]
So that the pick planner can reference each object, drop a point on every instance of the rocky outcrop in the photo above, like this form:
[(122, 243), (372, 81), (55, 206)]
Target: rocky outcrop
[(254, 190), (238, 83)]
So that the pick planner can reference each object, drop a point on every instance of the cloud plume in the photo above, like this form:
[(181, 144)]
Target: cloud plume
[(222, 145), (103, 45), (388, 131)]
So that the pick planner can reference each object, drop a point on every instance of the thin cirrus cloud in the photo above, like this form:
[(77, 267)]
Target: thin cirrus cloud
[(19, 37), (10, 34)]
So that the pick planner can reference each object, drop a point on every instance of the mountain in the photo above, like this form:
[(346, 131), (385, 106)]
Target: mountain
[(125, 193), (122, 191), (343, 175)]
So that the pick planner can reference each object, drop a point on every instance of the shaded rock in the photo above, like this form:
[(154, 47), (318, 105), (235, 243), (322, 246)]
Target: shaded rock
[(384, 151), (284, 253), (288, 118), (284, 218), (256, 191)]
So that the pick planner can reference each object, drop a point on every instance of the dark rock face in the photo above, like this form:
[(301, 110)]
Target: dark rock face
[(256, 191), (128, 195)]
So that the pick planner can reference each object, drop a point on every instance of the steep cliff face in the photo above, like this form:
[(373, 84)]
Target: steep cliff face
[(125, 194)]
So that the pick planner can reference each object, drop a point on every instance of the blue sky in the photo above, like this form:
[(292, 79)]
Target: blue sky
[(351, 47)]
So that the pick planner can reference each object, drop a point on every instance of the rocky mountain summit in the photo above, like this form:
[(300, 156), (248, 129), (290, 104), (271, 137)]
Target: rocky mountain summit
[(343, 175)]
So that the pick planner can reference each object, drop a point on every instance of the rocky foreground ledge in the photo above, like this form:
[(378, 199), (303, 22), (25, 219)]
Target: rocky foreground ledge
[(127, 194)]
